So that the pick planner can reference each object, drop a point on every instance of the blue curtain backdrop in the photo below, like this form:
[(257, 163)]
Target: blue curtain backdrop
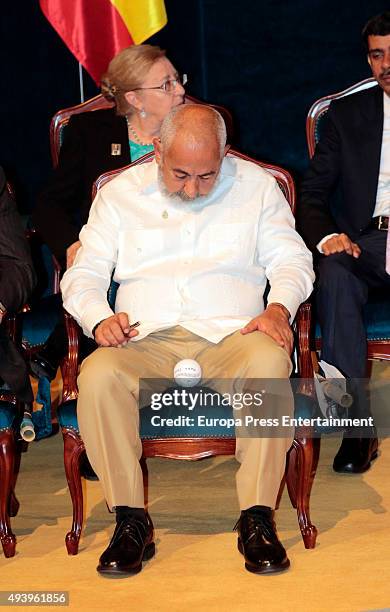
[(267, 61)]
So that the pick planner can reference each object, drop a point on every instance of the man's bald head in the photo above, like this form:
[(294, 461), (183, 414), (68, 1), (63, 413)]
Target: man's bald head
[(190, 151), (194, 126)]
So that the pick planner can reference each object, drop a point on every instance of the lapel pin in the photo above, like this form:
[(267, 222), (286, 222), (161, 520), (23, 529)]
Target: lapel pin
[(115, 148)]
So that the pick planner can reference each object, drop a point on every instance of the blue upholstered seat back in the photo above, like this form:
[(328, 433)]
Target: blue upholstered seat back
[(111, 294), (38, 324), (376, 316), (319, 125), (61, 133), (46, 306), (7, 415)]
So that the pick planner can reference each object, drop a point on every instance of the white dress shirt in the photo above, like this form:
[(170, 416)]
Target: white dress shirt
[(200, 264), (382, 206)]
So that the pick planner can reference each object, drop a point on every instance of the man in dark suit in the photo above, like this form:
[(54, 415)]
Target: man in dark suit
[(344, 216), (17, 279)]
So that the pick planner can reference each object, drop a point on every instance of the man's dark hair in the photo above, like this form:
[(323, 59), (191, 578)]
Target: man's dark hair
[(376, 26)]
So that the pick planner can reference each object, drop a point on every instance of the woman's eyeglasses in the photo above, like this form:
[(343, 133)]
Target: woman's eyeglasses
[(169, 85)]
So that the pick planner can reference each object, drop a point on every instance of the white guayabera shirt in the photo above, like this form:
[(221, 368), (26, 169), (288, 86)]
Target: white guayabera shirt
[(202, 264)]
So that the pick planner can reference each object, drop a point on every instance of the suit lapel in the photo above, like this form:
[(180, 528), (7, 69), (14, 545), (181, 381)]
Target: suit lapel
[(120, 136), (371, 134)]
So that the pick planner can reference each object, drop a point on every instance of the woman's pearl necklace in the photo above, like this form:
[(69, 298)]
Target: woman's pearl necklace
[(135, 135)]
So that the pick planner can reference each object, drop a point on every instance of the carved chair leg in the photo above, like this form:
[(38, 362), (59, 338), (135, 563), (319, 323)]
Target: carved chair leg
[(291, 475), (7, 459), (303, 461), (73, 448), (280, 492), (13, 505), (145, 474)]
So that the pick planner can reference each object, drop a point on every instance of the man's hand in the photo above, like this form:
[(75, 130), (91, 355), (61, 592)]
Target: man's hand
[(274, 322), (71, 253), (339, 244), (115, 331)]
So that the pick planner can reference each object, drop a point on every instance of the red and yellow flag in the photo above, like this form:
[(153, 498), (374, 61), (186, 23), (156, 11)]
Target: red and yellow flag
[(96, 31)]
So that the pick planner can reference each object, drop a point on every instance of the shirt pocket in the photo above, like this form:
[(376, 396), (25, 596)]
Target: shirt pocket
[(231, 243)]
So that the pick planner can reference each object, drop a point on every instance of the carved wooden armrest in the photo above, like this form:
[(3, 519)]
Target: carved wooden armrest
[(305, 365), (11, 324), (70, 365), (56, 274)]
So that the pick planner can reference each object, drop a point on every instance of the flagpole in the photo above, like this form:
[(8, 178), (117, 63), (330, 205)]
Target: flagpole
[(202, 46), (81, 81)]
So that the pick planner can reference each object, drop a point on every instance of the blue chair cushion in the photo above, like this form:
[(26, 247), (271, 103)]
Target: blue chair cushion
[(42, 418), (67, 415), (38, 324), (67, 418), (180, 422), (376, 317), (111, 293), (7, 415)]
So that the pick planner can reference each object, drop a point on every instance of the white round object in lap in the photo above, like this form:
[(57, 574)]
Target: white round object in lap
[(187, 373)]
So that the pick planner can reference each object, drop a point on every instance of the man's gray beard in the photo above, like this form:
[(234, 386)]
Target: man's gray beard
[(178, 196)]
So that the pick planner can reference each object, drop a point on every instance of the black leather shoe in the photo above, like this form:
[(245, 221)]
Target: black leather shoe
[(41, 367), (131, 543), (258, 542), (355, 455)]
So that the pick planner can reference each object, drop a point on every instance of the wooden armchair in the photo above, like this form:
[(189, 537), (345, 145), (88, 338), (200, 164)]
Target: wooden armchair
[(377, 310), (11, 447), (11, 444), (302, 457)]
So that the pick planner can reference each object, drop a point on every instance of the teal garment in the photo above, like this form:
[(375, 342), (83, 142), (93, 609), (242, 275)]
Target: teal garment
[(138, 150)]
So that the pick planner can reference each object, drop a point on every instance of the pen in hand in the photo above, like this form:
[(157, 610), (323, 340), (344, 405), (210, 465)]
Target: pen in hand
[(132, 326)]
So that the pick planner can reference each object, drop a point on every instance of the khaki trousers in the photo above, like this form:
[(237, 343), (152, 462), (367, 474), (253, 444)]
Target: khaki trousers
[(108, 413)]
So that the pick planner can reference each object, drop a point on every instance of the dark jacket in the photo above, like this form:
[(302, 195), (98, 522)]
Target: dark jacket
[(345, 165), (86, 153), (17, 276), (17, 279)]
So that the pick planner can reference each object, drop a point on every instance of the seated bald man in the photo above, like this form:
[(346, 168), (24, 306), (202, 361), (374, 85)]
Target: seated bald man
[(192, 238)]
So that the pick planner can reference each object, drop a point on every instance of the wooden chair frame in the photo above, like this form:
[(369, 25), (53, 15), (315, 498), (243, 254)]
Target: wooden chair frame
[(11, 447), (99, 102)]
